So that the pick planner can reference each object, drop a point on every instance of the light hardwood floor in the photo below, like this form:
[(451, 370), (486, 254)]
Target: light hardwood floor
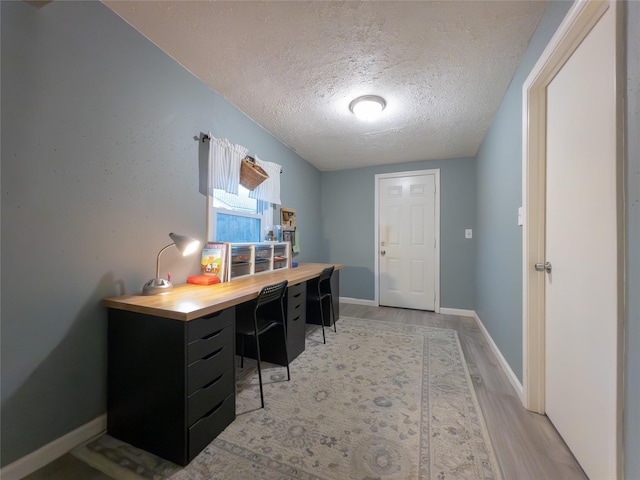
[(527, 445)]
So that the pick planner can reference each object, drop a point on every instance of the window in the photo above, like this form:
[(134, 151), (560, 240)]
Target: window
[(238, 218)]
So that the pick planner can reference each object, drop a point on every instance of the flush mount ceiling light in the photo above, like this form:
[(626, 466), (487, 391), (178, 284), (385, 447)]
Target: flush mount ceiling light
[(367, 107)]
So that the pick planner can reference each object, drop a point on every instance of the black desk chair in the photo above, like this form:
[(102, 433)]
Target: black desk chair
[(267, 314), (323, 293)]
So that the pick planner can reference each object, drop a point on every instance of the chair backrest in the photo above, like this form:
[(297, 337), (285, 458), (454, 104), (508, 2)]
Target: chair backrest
[(324, 285), (271, 293)]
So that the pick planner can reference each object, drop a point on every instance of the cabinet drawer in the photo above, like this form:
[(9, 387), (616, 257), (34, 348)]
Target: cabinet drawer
[(203, 326), (203, 400), (239, 269), (209, 368), (296, 334), (206, 345), (211, 425), (297, 323), (296, 327), (240, 254), (296, 296), (296, 309), (263, 252), (261, 266), (298, 288)]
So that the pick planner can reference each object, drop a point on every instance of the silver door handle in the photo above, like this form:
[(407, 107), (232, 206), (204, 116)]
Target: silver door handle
[(543, 267), (382, 252)]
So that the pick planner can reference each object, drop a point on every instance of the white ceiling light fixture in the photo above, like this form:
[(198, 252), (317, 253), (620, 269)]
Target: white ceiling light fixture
[(367, 107)]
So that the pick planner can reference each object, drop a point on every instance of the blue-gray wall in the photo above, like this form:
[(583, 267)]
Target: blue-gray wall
[(99, 164), (632, 374), (348, 227), (498, 270)]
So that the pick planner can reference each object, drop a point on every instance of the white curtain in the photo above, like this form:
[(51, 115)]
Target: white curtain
[(224, 165), (269, 190)]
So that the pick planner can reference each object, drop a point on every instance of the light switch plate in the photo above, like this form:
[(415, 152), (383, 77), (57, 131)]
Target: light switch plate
[(520, 220), (468, 233)]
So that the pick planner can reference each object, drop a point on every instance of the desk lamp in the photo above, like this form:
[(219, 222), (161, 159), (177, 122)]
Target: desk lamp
[(157, 286)]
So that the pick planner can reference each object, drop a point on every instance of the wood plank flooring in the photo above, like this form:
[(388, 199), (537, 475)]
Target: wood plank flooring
[(527, 445)]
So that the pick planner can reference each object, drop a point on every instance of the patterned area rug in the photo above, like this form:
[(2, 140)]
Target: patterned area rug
[(378, 401)]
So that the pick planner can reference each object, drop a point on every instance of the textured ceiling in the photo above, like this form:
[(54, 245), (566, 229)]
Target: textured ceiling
[(294, 67)]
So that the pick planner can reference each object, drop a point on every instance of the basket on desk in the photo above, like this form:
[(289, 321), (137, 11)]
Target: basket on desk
[(251, 175)]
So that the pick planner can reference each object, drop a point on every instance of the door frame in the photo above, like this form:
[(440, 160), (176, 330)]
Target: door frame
[(380, 176), (582, 16)]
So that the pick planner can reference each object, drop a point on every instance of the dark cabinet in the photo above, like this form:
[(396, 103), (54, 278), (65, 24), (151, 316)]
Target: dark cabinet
[(271, 341), (296, 307), (171, 383)]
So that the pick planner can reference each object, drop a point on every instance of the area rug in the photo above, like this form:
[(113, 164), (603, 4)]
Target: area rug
[(378, 401)]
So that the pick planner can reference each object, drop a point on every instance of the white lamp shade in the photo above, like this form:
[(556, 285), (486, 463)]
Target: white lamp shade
[(184, 243), (157, 285)]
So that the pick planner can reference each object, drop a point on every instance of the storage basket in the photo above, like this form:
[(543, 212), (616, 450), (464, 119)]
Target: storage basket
[(251, 175)]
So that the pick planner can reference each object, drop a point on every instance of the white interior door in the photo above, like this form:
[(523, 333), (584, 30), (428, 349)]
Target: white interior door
[(407, 241), (581, 246)]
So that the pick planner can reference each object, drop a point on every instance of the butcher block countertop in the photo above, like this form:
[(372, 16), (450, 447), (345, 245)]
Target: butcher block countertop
[(187, 302)]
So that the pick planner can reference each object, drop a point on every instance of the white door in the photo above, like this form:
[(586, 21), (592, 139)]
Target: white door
[(407, 241), (581, 244)]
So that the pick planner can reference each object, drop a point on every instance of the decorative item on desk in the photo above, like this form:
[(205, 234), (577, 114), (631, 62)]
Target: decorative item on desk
[(273, 233), (202, 280), (214, 260), (186, 245), (251, 175)]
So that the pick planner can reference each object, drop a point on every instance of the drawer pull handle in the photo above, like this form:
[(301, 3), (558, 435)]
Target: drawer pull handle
[(213, 354), (296, 296), (297, 318), (212, 382), (212, 411), (211, 335)]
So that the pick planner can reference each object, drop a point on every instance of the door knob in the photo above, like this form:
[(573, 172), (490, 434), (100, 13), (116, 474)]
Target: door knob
[(543, 267), (382, 252)]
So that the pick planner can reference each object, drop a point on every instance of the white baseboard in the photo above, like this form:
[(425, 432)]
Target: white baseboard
[(457, 311), (359, 301), (54, 450), (513, 379)]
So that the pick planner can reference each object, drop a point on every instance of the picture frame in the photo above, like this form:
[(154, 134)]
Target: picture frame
[(288, 218)]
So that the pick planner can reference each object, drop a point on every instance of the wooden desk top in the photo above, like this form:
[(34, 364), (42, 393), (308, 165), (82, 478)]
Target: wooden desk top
[(187, 302)]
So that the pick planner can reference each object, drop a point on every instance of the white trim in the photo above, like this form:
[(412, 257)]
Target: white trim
[(579, 21), (376, 207), (575, 26), (52, 451), (214, 211), (513, 379), (457, 311), (358, 301)]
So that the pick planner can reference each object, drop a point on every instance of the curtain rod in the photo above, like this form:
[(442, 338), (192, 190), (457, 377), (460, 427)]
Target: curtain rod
[(206, 136)]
